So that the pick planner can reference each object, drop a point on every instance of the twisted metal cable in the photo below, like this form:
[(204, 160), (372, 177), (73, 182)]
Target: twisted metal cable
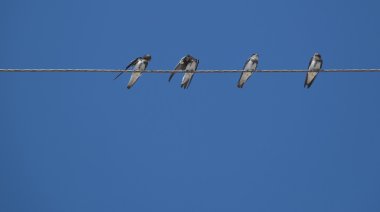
[(198, 72)]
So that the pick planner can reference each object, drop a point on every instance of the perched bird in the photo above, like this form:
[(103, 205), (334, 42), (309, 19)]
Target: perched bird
[(181, 65), (140, 64), (190, 69), (249, 68), (315, 65)]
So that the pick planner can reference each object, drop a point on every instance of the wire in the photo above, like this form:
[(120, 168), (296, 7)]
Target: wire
[(198, 72)]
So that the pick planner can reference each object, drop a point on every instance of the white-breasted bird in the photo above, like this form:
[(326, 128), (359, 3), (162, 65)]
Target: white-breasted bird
[(248, 69), (315, 65), (140, 64), (190, 69), (182, 64)]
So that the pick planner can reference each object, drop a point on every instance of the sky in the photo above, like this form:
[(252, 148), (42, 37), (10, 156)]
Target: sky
[(83, 142)]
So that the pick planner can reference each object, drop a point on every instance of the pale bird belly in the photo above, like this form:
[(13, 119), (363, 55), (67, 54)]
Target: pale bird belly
[(187, 76), (250, 66), (311, 76), (246, 75), (315, 65), (140, 66)]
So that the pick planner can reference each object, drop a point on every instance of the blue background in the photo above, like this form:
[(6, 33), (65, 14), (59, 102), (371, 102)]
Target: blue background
[(83, 142)]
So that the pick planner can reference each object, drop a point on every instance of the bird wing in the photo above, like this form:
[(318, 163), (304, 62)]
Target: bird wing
[(196, 67), (132, 63), (146, 64), (305, 84), (242, 73), (311, 60), (321, 63), (180, 66)]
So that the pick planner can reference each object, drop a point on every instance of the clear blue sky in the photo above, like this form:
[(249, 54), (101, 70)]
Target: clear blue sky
[(83, 142)]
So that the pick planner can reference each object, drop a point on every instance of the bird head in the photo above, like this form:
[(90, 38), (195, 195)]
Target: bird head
[(147, 57), (188, 58), (317, 55), (255, 56)]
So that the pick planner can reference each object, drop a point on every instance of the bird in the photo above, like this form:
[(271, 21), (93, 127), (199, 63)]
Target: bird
[(248, 69), (140, 64), (190, 69), (315, 65), (181, 65)]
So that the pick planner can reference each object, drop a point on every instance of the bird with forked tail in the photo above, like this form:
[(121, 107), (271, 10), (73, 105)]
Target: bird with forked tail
[(315, 66), (191, 68), (248, 69), (140, 64)]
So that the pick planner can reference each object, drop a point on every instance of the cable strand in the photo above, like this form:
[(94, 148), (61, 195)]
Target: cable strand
[(198, 72)]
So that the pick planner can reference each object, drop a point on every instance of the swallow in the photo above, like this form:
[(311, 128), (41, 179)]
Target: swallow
[(248, 69), (181, 65), (315, 66), (140, 64), (190, 69)]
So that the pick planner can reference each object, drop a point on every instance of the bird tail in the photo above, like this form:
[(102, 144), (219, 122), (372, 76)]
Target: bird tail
[(118, 75), (183, 85), (308, 84), (171, 76), (305, 84), (187, 83)]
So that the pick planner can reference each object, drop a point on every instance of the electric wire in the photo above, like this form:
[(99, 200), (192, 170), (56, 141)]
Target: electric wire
[(197, 72)]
